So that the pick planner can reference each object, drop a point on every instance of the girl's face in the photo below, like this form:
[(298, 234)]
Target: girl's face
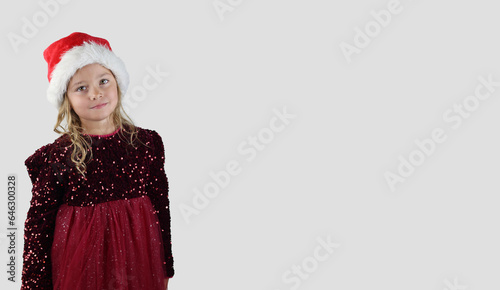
[(93, 94)]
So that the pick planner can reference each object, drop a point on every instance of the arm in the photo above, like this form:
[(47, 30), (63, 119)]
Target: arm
[(158, 192), (40, 221)]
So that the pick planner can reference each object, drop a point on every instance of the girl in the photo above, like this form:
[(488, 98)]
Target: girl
[(99, 215)]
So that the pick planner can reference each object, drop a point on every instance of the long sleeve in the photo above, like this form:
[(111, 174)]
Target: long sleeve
[(40, 220), (158, 193)]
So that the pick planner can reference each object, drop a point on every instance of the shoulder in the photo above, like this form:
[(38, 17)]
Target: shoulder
[(149, 135), (46, 153), (46, 157), (152, 140)]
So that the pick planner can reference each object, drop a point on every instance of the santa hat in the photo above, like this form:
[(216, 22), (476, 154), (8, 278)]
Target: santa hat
[(65, 56)]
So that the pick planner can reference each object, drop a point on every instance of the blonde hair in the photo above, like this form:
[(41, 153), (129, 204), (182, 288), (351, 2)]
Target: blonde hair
[(82, 144)]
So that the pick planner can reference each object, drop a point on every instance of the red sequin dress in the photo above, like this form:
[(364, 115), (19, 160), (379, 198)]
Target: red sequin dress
[(109, 230)]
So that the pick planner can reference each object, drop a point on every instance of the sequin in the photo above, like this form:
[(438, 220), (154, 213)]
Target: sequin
[(117, 172)]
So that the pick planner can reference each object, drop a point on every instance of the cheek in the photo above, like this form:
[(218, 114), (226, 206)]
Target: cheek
[(112, 95), (76, 103), (112, 91)]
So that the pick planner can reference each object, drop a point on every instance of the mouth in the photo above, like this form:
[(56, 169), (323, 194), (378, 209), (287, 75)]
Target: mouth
[(99, 106)]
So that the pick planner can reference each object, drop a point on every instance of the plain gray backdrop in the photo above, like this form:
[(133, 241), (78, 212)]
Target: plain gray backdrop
[(227, 67)]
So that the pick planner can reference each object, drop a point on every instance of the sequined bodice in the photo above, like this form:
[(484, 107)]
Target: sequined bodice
[(117, 170)]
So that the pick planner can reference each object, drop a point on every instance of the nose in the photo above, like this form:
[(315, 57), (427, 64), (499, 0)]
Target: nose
[(95, 93)]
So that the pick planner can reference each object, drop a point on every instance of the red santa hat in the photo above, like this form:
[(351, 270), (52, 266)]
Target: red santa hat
[(65, 56)]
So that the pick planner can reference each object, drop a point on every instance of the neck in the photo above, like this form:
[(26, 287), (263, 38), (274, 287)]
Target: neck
[(99, 128)]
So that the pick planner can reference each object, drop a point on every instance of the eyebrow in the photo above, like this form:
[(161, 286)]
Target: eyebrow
[(81, 82)]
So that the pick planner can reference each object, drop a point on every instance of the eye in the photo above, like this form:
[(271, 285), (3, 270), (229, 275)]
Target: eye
[(104, 81), (82, 88)]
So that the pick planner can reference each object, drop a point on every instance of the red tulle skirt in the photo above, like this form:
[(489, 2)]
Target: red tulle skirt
[(111, 245)]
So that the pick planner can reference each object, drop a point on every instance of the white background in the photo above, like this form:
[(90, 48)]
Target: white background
[(322, 176)]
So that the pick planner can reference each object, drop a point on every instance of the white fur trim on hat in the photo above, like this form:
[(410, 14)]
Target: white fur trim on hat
[(78, 57)]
